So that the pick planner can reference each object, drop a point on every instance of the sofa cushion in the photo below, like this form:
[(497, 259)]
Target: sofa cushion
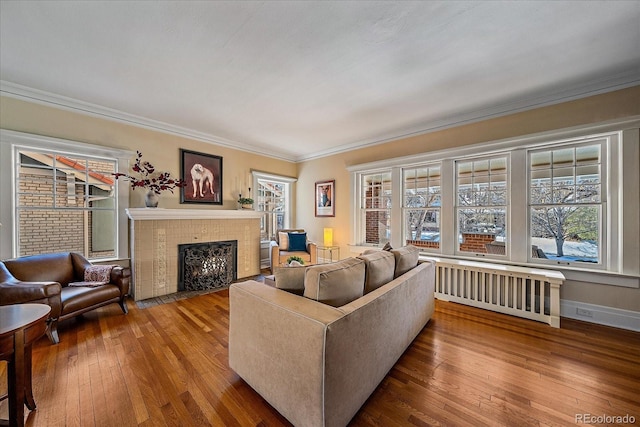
[(297, 242), (379, 269), (406, 259), (78, 299), (337, 283), (290, 279)]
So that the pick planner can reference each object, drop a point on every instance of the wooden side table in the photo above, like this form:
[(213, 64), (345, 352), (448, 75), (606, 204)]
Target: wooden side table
[(20, 326)]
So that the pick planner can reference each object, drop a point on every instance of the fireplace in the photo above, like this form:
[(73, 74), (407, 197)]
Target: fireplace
[(155, 235), (208, 265)]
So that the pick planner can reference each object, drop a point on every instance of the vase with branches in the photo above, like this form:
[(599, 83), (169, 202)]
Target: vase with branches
[(147, 177)]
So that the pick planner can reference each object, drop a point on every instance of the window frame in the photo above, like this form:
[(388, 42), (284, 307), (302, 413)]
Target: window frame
[(507, 207), (12, 142), (280, 179), (604, 224), (361, 211), (429, 208), (620, 264)]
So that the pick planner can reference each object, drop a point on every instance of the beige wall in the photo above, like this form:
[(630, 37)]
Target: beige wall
[(163, 151), (595, 109)]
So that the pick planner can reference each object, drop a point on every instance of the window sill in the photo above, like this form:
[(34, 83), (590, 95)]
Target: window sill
[(573, 274)]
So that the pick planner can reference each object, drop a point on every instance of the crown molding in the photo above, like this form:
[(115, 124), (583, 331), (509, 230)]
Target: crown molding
[(13, 90), (619, 81)]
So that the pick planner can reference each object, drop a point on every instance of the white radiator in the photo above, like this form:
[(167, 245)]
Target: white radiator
[(524, 292)]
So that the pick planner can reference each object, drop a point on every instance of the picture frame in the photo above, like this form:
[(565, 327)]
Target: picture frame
[(325, 198), (202, 174)]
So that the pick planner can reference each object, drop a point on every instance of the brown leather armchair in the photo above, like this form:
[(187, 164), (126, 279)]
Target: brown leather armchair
[(278, 255), (45, 279)]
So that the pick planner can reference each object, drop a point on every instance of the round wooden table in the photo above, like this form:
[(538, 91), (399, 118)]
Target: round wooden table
[(20, 326)]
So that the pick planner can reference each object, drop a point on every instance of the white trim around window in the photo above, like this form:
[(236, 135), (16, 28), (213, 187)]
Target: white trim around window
[(11, 142), (287, 182), (618, 263)]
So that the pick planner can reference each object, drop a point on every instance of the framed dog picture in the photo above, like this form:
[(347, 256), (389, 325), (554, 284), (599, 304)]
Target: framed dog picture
[(203, 175), (325, 198)]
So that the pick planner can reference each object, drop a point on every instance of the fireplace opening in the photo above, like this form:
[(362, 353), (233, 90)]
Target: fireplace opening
[(207, 265)]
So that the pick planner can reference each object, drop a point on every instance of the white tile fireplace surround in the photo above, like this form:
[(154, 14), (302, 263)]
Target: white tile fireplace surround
[(156, 234)]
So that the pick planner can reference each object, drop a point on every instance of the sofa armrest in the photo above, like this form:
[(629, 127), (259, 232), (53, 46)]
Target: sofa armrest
[(17, 292), (21, 292), (121, 277), (277, 344)]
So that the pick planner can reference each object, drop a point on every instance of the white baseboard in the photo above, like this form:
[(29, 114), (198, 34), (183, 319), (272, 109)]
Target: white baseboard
[(600, 314)]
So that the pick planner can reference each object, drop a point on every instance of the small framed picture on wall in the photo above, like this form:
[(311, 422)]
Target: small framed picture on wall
[(203, 175), (325, 198)]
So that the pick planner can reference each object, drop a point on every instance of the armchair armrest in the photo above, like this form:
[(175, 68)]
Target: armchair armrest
[(312, 248), (274, 255)]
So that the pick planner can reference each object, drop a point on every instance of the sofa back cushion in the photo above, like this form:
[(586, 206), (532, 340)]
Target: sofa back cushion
[(379, 269), (406, 259), (52, 267), (290, 279), (337, 283)]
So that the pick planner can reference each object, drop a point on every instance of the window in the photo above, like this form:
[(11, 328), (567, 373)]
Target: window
[(273, 196), (375, 207), (566, 202), (421, 206), (63, 197), (65, 202), (570, 203), (482, 204)]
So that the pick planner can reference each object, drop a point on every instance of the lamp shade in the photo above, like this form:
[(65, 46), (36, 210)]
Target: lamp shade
[(328, 236)]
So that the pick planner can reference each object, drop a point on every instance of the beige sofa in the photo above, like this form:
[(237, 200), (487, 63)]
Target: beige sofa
[(316, 363)]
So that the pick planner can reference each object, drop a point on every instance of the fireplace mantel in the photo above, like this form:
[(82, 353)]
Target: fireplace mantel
[(140, 214), (156, 233)]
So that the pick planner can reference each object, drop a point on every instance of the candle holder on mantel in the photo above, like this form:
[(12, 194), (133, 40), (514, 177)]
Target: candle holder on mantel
[(245, 202)]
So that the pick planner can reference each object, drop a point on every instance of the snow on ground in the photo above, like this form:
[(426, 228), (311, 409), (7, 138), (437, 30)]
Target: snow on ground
[(571, 249)]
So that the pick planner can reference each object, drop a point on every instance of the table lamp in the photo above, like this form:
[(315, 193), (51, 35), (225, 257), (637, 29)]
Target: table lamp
[(328, 236)]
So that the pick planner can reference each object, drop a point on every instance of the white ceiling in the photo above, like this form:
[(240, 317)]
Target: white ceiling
[(301, 79)]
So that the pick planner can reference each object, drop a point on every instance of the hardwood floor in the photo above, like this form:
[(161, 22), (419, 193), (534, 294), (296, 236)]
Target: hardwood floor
[(167, 365)]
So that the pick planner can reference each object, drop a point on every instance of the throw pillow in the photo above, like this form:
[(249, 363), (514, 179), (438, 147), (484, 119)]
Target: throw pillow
[(297, 242), (290, 279), (387, 247), (98, 273), (406, 259), (380, 266), (283, 241), (335, 284)]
